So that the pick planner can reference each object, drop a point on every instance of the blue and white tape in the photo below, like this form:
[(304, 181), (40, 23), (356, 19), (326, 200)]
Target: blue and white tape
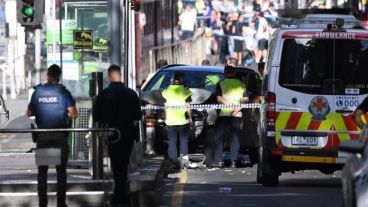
[(204, 106)]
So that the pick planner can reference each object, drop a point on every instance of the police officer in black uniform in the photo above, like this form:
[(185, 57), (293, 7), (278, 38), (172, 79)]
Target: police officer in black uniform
[(118, 106), (53, 107)]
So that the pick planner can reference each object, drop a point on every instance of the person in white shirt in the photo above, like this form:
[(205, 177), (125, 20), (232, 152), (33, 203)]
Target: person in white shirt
[(262, 35), (187, 23)]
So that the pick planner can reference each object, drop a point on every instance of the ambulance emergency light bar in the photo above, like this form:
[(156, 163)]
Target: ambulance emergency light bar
[(318, 21)]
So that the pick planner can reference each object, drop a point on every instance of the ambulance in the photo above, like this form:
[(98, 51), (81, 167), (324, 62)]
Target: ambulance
[(316, 76)]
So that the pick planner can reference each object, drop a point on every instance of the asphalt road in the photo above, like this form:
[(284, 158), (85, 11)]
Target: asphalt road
[(18, 120), (194, 188)]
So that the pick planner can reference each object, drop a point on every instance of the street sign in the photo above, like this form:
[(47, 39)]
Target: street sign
[(101, 44), (83, 39)]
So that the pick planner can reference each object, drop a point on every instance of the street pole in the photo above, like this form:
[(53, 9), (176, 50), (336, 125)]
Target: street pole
[(4, 81), (114, 9), (38, 55), (132, 52), (61, 38), (54, 33), (11, 61), (126, 40)]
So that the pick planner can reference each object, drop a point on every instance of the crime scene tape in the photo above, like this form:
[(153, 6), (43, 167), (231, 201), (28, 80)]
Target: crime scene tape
[(204, 106)]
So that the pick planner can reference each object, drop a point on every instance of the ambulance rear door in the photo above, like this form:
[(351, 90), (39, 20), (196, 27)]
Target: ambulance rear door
[(350, 82)]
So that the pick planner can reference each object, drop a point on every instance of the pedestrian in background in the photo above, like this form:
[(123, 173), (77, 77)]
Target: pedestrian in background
[(118, 106), (187, 25), (229, 91), (205, 62), (177, 120), (53, 107), (263, 35), (161, 63), (238, 27), (232, 62)]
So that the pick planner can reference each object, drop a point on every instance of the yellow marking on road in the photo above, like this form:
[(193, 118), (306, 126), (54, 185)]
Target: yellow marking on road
[(178, 193), (288, 158)]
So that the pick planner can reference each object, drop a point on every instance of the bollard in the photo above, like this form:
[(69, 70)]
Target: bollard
[(96, 148), (97, 157), (95, 83)]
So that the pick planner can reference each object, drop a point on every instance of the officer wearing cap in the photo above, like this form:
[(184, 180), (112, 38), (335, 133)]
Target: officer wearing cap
[(177, 120), (229, 91), (53, 107)]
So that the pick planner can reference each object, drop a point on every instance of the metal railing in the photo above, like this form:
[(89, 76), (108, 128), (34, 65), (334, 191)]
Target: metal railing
[(97, 143), (191, 52)]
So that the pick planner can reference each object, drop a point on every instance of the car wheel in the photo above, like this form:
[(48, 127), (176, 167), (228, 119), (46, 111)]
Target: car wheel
[(270, 180), (266, 175)]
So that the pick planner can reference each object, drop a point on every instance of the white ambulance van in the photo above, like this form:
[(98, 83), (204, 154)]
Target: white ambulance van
[(317, 74)]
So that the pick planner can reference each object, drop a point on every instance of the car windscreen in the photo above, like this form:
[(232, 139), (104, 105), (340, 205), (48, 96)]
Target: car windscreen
[(192, 79), (324, 66)]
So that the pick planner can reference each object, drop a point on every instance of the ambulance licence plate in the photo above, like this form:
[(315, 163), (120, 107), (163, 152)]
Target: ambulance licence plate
[(304, 141)]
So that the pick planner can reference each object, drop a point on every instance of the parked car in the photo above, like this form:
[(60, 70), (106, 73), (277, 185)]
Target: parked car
[(202, 81), (355, 171)]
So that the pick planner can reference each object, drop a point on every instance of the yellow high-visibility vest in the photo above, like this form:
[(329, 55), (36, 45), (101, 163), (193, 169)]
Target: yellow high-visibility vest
[(176, 95), (200, 7), (233, 91)]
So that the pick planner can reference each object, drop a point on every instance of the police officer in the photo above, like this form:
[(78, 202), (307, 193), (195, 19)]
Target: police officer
[(161, 63), (359, 111), (177, 120), (118, 106), (53, 107), (229, 91)]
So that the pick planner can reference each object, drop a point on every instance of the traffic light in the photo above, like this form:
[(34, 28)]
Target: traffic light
[(30, 12)]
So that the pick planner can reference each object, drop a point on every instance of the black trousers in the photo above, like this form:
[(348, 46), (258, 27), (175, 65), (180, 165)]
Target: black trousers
[(119, 154), (222, 123), (53, 140)]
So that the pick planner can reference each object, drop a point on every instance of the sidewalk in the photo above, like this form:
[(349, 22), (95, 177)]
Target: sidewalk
[(18, 183), (17, 107), (18, 172)]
